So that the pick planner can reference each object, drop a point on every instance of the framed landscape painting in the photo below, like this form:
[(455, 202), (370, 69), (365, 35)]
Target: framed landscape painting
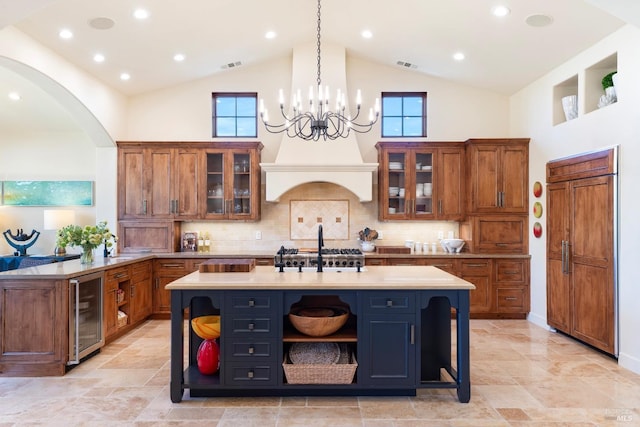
[(47, 193)]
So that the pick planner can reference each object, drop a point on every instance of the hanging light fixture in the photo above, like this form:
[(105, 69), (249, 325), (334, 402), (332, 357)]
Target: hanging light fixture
[(319, 121)]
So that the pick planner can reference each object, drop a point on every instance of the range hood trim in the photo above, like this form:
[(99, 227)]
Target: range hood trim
[(282, 177)]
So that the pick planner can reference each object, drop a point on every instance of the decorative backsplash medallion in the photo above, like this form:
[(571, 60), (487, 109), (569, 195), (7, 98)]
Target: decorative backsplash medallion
[(305, 215)]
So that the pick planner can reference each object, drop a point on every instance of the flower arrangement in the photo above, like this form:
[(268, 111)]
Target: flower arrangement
[(88, 237)]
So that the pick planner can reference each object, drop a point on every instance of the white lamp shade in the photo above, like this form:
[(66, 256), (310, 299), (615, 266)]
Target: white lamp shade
[(58, 218)]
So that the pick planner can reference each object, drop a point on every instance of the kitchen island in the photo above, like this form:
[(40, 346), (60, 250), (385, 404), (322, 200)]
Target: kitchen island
[(398, 332)]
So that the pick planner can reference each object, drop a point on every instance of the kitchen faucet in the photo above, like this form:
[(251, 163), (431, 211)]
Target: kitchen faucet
[(320, 245)]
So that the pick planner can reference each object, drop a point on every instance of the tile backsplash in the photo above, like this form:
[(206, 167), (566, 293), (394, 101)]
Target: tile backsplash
[(275, 226)]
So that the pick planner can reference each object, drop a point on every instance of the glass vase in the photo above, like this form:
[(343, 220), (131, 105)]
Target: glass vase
[(87, 256)]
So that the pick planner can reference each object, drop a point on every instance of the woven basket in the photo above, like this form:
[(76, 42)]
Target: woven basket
[(337, 373)]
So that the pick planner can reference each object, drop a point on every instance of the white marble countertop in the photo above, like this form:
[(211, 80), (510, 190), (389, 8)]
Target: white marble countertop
[(375, 277)]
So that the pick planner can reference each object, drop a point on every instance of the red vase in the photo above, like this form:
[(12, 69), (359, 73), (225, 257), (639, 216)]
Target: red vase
[(208, 357)]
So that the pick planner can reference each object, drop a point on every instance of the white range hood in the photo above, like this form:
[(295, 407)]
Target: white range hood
[(301, 162)]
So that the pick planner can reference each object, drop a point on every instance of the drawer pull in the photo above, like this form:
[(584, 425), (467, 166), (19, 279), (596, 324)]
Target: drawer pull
[(250, 374), (172, 265), (252, 303), (512, 272), (475, 265), (510, 298), (502, 244), (389, 303), (251, 350), (119, 275), (251, 326)]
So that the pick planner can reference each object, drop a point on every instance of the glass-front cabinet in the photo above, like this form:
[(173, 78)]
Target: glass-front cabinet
[(233, 184), (412, 180)]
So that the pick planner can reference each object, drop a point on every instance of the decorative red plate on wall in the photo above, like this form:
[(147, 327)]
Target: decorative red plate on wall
[(537, 209), (537, 229), (537, 189)]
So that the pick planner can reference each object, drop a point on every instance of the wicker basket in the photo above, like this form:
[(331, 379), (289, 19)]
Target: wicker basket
[(337, 373)]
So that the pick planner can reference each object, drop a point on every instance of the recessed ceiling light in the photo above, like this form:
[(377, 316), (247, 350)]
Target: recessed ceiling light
[(179, 57), (367, 34), (98, 57), (65, 33), (539, 20), (270, 35), (141, 14), (500, 11), (458, 56), (125, 76), (14, 96)]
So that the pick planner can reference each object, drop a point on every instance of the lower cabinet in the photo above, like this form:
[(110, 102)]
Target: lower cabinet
[(388, 338), (478, 272), (116, 311), (141, 292), (165, 271)]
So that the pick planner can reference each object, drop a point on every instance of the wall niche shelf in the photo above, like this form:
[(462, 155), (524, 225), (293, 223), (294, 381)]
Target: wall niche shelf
[(593, 81), (587, 85), (565, 88)]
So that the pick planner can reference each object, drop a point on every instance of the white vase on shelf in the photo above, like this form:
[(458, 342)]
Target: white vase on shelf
[(570, 106)]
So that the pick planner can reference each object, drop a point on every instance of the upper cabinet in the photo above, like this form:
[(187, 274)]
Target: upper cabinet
[(157, 182), (420, 181), (189, 180), (232, 182), (498, 175)]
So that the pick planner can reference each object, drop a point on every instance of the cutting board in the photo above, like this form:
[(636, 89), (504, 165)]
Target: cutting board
[(393, 250), (222, 265)]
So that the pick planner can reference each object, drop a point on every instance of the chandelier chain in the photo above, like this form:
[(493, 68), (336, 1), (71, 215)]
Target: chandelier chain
[(318, 44)]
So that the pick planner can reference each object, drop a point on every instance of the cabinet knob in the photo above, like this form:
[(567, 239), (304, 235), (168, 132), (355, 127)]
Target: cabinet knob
[(252, 302), (251, 349), (251, 326), (389, 303), (250, 374)]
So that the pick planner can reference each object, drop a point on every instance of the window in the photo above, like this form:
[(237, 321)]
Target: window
[(235, 114), (404, 114)]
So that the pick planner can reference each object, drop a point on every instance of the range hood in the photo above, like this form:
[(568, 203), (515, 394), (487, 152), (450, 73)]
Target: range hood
[(301, 162)]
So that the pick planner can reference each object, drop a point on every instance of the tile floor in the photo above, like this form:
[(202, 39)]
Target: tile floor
[(522, 375)]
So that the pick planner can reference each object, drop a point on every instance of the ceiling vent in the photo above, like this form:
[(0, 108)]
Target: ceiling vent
[(231, 65), (407, 64)]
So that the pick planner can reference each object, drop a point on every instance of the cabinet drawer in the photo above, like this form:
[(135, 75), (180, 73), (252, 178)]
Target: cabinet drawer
[(249, 375), (251, 325), (242, 350), (248, 301), (119, 274), (476, 267), (141, 271), (511, 300), (445, 264), (374, 261), (172, 265), (395, 302), (510, 271)]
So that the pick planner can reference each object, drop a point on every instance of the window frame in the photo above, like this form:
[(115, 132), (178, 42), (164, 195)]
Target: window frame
[(403, 95), (214, 116)]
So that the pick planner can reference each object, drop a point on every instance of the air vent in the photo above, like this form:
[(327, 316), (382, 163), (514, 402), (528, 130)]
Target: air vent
[(232, 65), (406, 64)]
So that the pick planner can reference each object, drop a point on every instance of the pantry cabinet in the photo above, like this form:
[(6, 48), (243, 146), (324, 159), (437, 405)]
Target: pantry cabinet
[(420, 181), (581, 235), (497, 175)]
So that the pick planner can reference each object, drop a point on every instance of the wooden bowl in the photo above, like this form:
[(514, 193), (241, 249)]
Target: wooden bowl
[(318, 321), (206, 327)]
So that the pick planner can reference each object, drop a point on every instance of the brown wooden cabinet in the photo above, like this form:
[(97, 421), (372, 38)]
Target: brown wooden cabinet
[(478, 272), (497, 175), (167, 270), (581, 291), (157, 181), (496, 234), (147, 235), (421, 180), (510, 286), (141, 291), (232, 181), (117, 284)]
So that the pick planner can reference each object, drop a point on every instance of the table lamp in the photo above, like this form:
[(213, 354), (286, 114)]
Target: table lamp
[(55, 219)]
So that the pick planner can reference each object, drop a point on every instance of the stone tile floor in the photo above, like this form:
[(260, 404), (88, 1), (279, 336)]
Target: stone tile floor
[(522, 375)]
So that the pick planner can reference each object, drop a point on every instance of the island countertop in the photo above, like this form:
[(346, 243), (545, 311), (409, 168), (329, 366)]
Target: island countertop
[(375, 277)]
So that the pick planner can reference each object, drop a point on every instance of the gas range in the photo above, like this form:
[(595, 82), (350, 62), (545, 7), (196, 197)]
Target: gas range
[(351, 258)]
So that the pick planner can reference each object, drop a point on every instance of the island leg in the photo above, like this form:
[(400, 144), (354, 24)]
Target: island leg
[(462, 327), (177, 347)]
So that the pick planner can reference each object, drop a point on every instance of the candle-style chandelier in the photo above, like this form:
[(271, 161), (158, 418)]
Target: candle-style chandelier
[(319, 121)]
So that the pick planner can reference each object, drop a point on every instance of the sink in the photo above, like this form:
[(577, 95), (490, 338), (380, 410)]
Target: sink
[(324, 269)]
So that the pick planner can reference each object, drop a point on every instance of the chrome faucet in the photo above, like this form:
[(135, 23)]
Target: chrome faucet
[(320, 245)]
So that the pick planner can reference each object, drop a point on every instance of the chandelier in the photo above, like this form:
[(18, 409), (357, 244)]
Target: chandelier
[(319, 121)]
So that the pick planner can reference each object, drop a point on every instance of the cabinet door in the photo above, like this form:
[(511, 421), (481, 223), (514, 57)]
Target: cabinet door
[(186, 184), (132, 195), (484, 177), (215, 169), (244, 193), (449, 183), (159, 169), (511, 286), (141, 291), (389, 350), (591, 261), (514, 162), (478, 272), (558, 286), (502, 234), (393, 176), (165, 272)]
